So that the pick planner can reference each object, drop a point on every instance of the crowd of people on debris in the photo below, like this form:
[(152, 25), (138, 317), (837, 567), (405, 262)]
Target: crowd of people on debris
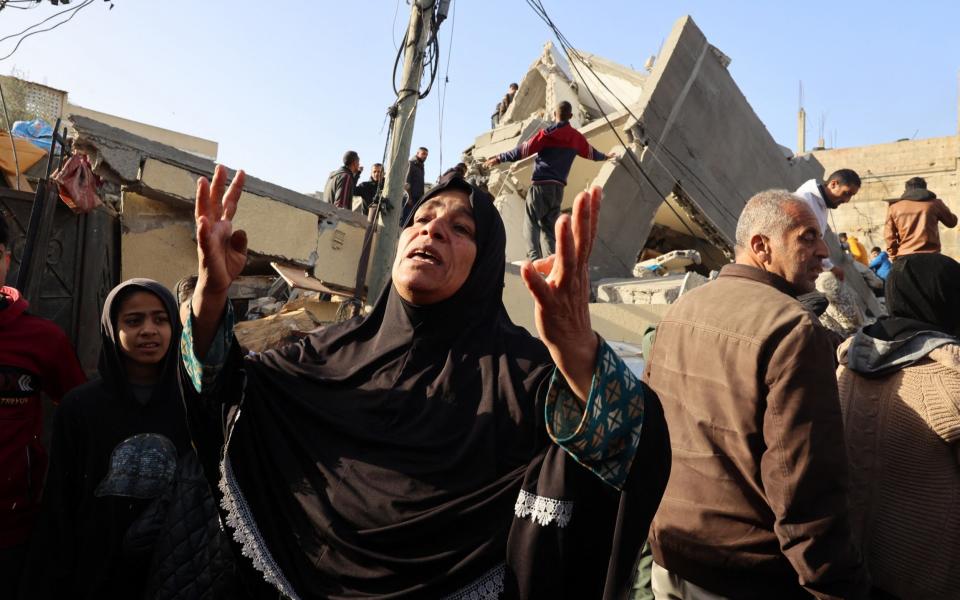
[(773, 447)]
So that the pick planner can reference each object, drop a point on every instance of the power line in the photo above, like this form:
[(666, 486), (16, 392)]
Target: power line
[(573, 53), (442, 103), (538, 8), (54, 15), (51, 28)]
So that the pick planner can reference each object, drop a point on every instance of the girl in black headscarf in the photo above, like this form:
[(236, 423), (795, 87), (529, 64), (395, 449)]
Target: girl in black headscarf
[(115, 447), (430, 449)]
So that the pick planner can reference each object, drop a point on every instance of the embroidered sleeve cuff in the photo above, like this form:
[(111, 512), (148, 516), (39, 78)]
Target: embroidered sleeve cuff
[(204, 373), (603, 435)]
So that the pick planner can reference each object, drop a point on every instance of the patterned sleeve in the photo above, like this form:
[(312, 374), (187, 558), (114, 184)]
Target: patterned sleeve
[(603, 434), (203, 373)]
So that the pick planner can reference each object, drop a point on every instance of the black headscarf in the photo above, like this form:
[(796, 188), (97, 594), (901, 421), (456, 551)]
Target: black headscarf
[(923, 294), (110, 365), (112, 457), (383, 456)]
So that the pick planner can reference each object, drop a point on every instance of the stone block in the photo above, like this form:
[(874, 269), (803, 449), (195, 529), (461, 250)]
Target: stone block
[(337, 251), (652, 290), (273, 228), (156, 241), (614, 322)]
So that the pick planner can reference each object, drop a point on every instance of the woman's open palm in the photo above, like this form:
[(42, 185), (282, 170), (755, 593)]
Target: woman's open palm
[(221, 251)]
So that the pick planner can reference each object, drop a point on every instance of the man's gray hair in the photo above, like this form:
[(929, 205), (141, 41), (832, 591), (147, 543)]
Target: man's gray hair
[(766, 214)]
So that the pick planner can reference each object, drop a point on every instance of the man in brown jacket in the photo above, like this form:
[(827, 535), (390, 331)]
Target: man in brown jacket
[(913, 221), (756, 503)]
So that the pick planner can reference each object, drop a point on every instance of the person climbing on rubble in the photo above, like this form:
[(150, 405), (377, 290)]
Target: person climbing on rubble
[(839, 188), (556, 148), (880, 262), (340, 183), (913, 220), (35, 357), (432, 448), (503, 105)]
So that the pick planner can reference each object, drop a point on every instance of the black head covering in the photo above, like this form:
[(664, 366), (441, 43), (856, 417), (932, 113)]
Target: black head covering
[(923, 294), (110, 365), (384, 455), (916, 189)]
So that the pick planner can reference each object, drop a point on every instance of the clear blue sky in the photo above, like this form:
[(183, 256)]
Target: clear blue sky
[(286, 87)]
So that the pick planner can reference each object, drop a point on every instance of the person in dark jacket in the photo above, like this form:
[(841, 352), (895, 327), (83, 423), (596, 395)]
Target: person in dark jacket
[(371, 189), (116, 445), (503, 105), (414, 186), (340, 183), (756, 506), (35, 357), (556, 148)]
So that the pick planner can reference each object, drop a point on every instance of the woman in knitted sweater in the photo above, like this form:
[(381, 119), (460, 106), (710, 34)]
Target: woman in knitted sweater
[(900, 394)]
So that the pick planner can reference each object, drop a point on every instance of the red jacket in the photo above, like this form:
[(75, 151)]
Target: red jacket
[(35, 356)]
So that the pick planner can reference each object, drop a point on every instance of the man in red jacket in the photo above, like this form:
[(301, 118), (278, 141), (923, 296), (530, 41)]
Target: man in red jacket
[(556, 148), (35, 356)]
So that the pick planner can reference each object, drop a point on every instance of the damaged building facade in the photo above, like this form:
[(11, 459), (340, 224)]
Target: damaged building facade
[(884, 169), (692, 151), (145, 227)]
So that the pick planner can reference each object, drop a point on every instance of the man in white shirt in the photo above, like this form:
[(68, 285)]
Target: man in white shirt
[(839, 188)]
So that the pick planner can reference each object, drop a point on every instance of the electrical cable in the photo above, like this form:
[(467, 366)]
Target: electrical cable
[(541, 11), (75, 11), (442, 102), (393, 29), (57, 14), (573, 53), (13, 4)]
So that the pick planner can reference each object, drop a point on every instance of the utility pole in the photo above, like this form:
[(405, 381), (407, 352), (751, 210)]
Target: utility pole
[(419, 34)]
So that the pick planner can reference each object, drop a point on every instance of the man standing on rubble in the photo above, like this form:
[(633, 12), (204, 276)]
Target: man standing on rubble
[(371, 189), (340, 183), (756, 505), (839, 188), (35, 357), (503, 105), (555, 147), (414, 186)]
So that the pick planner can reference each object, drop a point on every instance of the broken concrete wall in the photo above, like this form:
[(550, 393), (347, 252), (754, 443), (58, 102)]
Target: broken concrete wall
[(619, 84), (156, 240), (547, 83), (281, 224), (702, 151), (614, 322), (699, 134), (273, 229)]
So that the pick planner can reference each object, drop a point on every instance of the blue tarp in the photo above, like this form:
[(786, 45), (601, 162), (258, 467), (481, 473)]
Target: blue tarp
[(38, 132)]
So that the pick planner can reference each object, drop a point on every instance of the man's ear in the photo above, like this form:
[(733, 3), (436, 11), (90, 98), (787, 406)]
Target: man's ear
[(760, 246)]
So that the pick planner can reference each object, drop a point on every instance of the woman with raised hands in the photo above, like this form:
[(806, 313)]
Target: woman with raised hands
[(431, 448)]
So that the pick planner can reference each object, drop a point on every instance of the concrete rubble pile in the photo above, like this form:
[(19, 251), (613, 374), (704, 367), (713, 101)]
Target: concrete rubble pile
[(151, 186), (692, 151)]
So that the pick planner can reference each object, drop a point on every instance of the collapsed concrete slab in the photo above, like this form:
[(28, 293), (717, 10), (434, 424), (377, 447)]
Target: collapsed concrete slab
[(281, 224), (692, 151)]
